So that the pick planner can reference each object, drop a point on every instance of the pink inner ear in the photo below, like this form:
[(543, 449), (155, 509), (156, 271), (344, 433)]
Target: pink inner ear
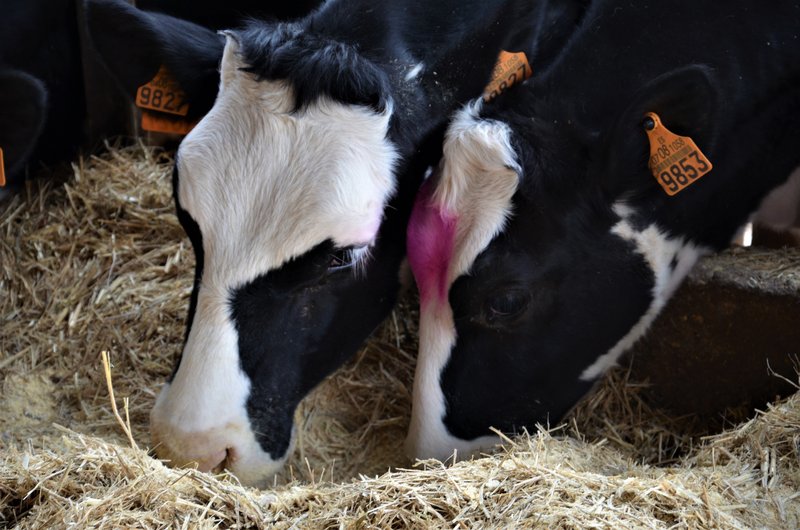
[(429, 241)]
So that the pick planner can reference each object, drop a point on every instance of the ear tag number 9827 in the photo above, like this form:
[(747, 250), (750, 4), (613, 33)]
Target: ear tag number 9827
[(162, 94), (675, 161)]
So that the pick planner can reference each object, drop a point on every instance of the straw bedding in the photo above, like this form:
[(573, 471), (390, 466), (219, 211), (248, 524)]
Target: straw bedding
[(100, 263)]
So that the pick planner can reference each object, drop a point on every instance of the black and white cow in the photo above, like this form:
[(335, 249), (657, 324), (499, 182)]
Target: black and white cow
[(295, 190), (543, 246)]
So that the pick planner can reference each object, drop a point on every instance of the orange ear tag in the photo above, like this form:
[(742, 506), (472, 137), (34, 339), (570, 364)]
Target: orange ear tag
[(675, 161), (157, 122), (510, 69), (162, 94), (2, 169)]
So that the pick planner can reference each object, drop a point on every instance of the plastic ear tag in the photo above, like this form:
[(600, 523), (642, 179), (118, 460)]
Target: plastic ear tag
[(510, 69), (155, 122), (162, 94), (675, 161), (2, 169)]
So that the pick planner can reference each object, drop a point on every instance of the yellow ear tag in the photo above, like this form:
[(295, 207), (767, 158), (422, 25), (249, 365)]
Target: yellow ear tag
[(510, 69), (162, 94), (2, 169), (675, 161)]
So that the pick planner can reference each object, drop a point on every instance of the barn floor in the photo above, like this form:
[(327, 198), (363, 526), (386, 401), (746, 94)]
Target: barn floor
[(101, 264)]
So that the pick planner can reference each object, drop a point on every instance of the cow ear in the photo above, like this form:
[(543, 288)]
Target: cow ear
[(478, 177), (686, 101), (134, 44), (23, 105)]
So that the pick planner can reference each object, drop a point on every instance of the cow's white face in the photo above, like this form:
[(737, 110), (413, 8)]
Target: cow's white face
[(265, 185)]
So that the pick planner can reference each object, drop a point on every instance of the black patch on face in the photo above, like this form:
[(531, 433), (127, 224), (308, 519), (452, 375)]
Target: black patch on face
[(298, 323), (539, 306), (314, 65), (193, 231)]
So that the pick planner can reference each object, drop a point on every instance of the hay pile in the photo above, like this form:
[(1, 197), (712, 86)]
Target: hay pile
[(101, 264)]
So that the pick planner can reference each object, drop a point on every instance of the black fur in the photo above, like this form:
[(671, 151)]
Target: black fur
[(300, 322), (39, 39), (315, 65), (134, 44), (731, 82), (23, 108), (216, 14)]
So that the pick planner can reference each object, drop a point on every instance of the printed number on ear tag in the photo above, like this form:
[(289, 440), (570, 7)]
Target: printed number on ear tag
[(511, 68), (675, 161), (162, 94)]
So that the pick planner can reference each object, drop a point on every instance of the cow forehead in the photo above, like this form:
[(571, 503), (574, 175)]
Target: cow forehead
[(266, 184)]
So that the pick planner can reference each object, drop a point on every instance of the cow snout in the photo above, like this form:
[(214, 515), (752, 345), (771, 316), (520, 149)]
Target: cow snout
[(208, 451), (188, 434)]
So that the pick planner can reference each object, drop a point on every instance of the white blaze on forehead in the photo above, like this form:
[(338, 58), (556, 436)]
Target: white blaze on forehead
[(266, 184), (478, 176), (670, 259)]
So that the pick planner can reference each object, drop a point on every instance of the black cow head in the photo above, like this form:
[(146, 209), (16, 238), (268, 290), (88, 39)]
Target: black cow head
[(538, 258)]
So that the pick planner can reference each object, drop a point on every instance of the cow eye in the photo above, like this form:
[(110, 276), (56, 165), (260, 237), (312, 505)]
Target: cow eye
[(506, 305), (346, 258)]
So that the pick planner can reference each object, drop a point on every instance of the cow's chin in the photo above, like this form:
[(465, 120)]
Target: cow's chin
[(230, 446)]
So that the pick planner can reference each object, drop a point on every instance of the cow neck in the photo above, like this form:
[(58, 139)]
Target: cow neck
[(563, 95)]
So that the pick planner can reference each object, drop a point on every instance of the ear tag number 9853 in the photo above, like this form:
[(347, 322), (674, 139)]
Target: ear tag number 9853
[(675, 161)]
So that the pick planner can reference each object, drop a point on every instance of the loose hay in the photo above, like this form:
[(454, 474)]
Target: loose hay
[(102, 264)]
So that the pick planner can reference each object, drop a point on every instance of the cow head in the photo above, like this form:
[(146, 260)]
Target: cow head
[(283, 204), (282, 188), (538, 257)]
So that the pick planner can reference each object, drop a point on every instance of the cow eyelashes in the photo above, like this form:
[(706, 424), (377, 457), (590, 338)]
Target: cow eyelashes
[(506, 305), (348, 258)]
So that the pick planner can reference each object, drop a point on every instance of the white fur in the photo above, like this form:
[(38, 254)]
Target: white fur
[(414, 72), (265, 185), (202, 414), (479, 175), (659, 251), (428, 436)]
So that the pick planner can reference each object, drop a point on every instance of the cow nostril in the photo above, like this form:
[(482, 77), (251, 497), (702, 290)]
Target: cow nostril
[(213, 462), (226, 461)]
